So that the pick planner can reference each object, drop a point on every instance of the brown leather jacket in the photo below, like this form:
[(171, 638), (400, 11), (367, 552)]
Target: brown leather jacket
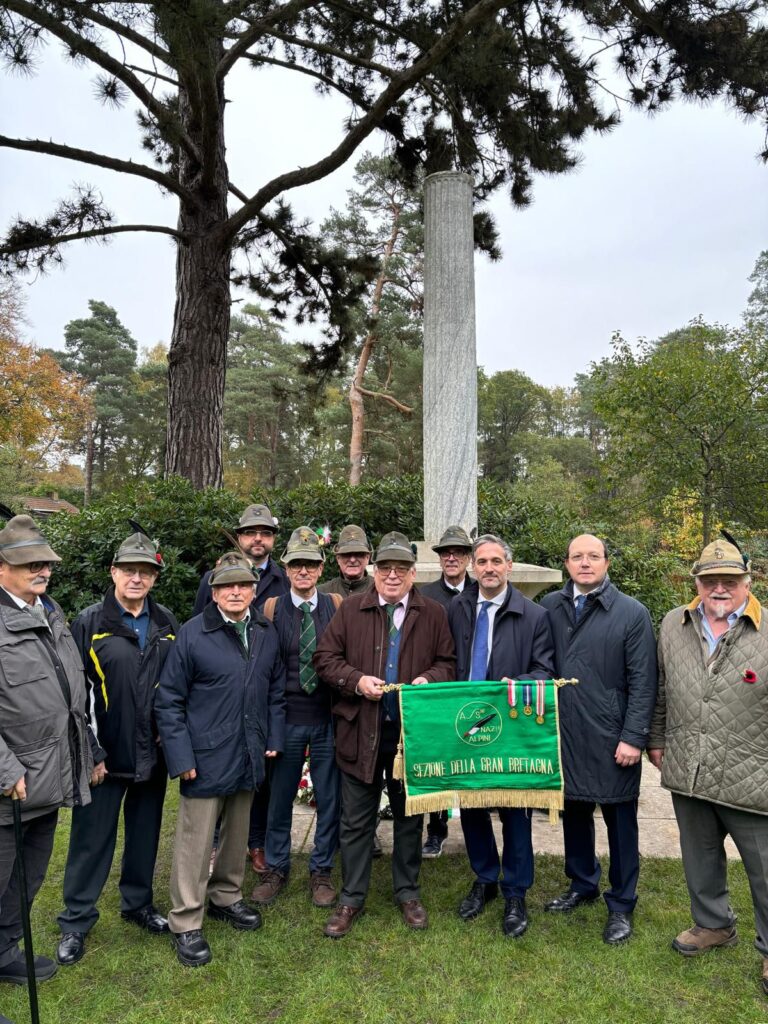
[(355, 645)]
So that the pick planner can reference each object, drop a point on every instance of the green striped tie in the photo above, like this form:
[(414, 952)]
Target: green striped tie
[(307, 644)]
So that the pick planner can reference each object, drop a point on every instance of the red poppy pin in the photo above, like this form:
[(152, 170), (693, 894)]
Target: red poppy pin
[(749, 676)]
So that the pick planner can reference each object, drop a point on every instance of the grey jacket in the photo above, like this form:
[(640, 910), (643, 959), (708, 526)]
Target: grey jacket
[(43, 726), (711, 722)]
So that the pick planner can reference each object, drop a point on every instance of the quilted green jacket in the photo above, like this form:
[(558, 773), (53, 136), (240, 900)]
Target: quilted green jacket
[(711, 720)]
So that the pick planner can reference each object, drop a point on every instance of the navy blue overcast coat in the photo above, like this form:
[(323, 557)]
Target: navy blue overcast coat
[(219, 709), (521, 647), (612, 652)]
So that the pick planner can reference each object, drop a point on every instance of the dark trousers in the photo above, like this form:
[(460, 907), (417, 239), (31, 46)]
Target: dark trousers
[(437, 825), (286, 774), (37, 847), (581, 864), (516, 865), (359, 811), (92, 843), (703, 828)]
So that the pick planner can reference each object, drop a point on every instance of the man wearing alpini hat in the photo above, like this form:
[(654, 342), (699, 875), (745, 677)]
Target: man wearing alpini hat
[(389, 635), (300, 618), (46, 758), (123, 641), (353, 553), (220, 710), (708, 737)]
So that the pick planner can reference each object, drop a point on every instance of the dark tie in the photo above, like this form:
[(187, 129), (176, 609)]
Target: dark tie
[(581, 600), (479, 668), (393, 630), (307, 644)]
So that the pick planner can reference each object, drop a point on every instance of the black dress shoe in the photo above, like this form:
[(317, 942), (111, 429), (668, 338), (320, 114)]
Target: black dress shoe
[(571, 900), (70, 948), (515, 920), (474, 902), (16, 971), (618, 928), (239, 915), (149, 918), (191, 948)]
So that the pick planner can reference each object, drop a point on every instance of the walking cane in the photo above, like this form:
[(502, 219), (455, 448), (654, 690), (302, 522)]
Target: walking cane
[(21, 878)]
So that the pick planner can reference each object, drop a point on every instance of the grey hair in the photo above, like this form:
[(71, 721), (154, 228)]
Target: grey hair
[(491, 538)]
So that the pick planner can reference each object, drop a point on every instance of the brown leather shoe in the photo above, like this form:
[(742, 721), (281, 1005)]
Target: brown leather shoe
[(698, 940), (271, 884), (258, 860), (322, 889), (414, 914), (341, 920)]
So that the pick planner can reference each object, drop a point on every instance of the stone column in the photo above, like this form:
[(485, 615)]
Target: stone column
[(450, 361)]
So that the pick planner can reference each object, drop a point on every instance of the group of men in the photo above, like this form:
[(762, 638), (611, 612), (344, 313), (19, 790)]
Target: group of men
[(274, 665)]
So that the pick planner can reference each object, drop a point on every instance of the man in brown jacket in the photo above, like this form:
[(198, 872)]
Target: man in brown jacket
[(389, 635)]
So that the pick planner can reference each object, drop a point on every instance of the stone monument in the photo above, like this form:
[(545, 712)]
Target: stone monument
[(450, 376)]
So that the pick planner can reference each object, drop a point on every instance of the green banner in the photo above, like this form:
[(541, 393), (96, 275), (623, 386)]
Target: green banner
[(481, 744)]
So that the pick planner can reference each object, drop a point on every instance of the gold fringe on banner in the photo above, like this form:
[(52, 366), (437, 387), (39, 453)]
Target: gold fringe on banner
[(546, 800)]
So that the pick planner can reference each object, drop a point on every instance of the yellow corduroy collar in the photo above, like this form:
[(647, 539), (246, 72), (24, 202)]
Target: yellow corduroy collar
[(753, 611)]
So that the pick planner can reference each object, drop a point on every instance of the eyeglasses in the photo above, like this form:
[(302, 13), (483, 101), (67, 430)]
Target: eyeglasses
[(297, 565), (401, 571), (591, 557), (130, 571), (256, 533), (453, 553), (38, 566), (727, 583)]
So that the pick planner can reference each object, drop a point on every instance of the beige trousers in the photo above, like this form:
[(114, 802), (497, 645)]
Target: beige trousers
[(190, 882)]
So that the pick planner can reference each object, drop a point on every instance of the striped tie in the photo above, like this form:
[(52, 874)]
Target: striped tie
[(307, 644)]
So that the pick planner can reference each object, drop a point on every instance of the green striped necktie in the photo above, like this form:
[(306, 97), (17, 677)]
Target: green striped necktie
[(307, 645)]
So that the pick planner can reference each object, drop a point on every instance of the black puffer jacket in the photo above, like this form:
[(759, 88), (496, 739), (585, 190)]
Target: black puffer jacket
[(121, 680), (612, 652)]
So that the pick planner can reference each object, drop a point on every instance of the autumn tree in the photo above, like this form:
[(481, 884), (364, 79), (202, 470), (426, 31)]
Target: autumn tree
[(688, 416), (500, 90), (43, 409)]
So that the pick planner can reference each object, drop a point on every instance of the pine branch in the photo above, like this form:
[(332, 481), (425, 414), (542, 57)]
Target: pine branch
[(78, 44), (99, 18), (257, 29), (86, 156), (400, 84), (325, 79), (405, 409)]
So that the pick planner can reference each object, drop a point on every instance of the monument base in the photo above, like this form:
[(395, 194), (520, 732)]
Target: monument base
[(529, 579)]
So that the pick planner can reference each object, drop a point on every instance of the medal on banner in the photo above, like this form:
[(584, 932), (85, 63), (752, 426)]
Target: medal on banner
[(527, 698), (512, 698), (540, 691)]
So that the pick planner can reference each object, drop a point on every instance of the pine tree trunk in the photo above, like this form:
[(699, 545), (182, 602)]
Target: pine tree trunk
[(89, 457), (198, 351), (356, 403)]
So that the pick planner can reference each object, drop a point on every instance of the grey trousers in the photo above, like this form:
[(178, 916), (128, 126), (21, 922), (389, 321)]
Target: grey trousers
[(190, 882), (359, 814), (703, 827)]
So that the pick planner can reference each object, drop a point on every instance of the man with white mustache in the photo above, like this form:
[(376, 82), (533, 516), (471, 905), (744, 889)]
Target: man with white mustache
[(708, 737)]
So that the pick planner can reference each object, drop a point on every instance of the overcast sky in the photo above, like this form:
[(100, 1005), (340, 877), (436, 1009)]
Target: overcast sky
[(662, 221)]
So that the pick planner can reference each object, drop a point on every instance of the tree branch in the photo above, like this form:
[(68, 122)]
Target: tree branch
[(117, 229), (331, 51), (406, 410), (258, 29), (259, 59), (122, 30), (86, 156), (400, 84), (79, 45)]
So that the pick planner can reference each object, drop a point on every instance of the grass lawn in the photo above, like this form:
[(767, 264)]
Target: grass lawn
[(454, 973)]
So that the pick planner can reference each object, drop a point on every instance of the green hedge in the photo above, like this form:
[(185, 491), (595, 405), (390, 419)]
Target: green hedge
[(186, 523)]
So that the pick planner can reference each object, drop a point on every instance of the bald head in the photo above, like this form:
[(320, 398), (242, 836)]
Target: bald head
[(587, 562)]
